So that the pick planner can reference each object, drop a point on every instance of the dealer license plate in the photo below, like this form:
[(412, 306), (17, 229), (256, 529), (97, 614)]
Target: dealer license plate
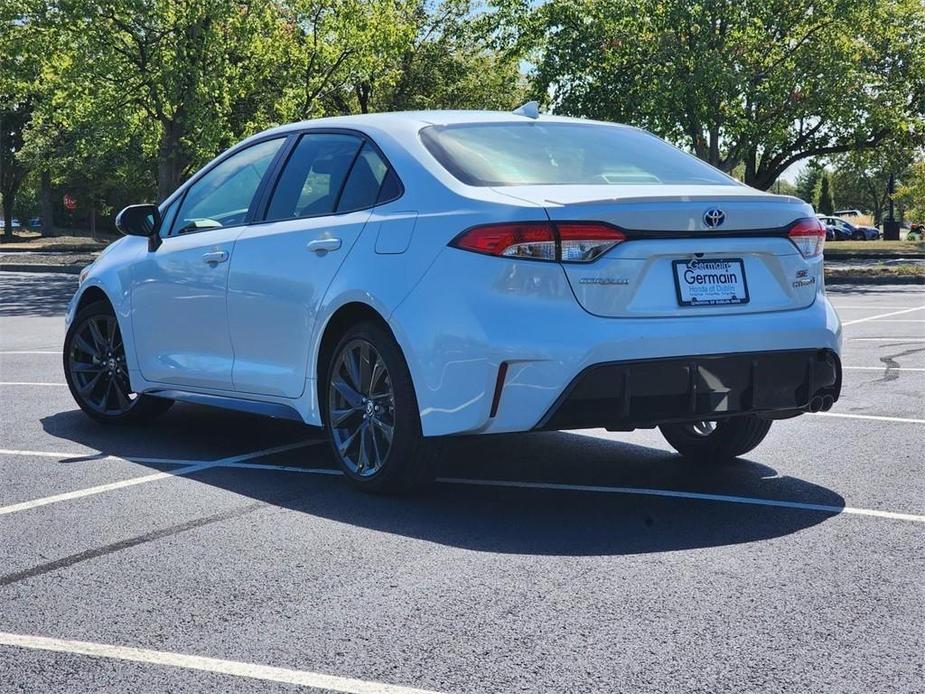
[(710, 281)]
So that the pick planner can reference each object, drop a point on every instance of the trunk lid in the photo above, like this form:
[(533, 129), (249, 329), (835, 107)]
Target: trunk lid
[(657, 272)]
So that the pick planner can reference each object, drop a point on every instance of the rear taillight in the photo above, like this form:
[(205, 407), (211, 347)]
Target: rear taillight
[(808, 235), (567, 242)]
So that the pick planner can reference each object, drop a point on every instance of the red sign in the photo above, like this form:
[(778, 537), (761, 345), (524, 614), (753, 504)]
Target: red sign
[(69, 202)]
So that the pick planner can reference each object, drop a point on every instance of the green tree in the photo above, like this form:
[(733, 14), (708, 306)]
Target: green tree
[(176, 79), (783, 187), (824, 205), (910, 192), (765, 84), (19, 72), (135, 95), (808, 181), (448, 63), (861, 179)]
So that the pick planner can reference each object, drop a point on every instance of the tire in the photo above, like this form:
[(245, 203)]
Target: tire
[(95, 370), (726, 440), (370, 414), (859, 236)]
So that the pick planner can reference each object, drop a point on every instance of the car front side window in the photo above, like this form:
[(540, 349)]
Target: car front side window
[(223, 196)]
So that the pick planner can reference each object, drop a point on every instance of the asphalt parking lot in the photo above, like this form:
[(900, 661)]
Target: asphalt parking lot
[(217, 551)]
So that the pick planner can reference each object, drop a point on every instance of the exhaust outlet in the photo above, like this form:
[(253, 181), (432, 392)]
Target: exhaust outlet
[(827, 402), (815, 404)]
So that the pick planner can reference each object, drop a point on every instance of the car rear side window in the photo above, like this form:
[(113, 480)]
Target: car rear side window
[(550, 153), (312, 179), (365, 181), (223, 196)]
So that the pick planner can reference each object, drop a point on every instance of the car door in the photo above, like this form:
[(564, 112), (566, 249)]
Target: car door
[(283, 266), (179, 290)]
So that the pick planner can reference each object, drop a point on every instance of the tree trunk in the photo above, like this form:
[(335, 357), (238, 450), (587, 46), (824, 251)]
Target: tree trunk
[(752, 176), (46, 205), (170, 163), (93, 221), (363, 90), (7, 218)]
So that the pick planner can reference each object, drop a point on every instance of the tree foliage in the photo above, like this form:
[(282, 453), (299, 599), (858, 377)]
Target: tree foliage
[(808, 181), (19, 75), (764, 83), (910, 193), (115, 100), (860, 180)]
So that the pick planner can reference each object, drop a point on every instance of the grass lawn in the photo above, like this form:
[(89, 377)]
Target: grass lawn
[(836, 248)]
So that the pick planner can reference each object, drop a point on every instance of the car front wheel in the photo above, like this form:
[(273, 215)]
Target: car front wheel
[(371, 414), (717, 441), (96, 371)]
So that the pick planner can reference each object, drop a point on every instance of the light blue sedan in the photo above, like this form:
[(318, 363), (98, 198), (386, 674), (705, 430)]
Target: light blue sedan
[(400, 278)]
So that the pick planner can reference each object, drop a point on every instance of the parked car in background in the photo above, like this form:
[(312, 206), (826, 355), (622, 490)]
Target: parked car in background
[(35, 223), (870, 233), (15, 223), (845, 231), (847, 213), (836, 231)]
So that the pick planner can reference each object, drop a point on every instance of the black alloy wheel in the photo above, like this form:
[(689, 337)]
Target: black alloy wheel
[(96, 371)]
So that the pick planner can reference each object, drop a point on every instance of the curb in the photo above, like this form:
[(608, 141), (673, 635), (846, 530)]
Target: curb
[(883, 279), (861, 255), (51, 251), (30, 267)]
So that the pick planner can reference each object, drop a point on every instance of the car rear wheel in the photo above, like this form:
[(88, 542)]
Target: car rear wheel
[(96, 371), (717, 441), (371, 414)]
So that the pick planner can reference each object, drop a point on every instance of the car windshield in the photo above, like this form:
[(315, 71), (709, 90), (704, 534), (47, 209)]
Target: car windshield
[(538, 153)]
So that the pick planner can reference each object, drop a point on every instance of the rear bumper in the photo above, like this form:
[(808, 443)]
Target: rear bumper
[(471, 318), (645, 393)]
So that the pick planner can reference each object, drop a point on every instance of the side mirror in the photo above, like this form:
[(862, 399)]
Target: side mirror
[(141, 220)]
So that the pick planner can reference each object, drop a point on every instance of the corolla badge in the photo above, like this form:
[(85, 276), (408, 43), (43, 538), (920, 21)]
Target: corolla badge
[(714, 217)]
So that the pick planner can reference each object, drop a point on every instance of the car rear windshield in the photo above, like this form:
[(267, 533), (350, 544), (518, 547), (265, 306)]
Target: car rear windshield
[(537, 153)]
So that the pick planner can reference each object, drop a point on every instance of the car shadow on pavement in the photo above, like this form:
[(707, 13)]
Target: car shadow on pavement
[(491, 518)]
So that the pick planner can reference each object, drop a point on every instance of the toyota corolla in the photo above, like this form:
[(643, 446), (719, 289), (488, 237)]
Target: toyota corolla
[(401, 278)]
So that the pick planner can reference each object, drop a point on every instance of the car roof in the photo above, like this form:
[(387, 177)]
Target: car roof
[(415, 120)]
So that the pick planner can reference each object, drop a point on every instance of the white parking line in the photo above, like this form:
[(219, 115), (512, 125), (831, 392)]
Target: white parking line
[(187, 470), (887, 339), (33, 351), (882, 368), (642, 491), (29, 383), (239, 462), (877, 418), (881, 315), (267, 673), (874, 307), (98, 456), (90, 491), (605, 489)]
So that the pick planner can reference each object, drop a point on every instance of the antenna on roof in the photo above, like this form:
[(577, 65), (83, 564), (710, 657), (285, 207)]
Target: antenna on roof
[(531, 109)]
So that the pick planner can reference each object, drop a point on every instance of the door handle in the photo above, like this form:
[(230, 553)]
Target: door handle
[(215, 257), (322, 246)]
